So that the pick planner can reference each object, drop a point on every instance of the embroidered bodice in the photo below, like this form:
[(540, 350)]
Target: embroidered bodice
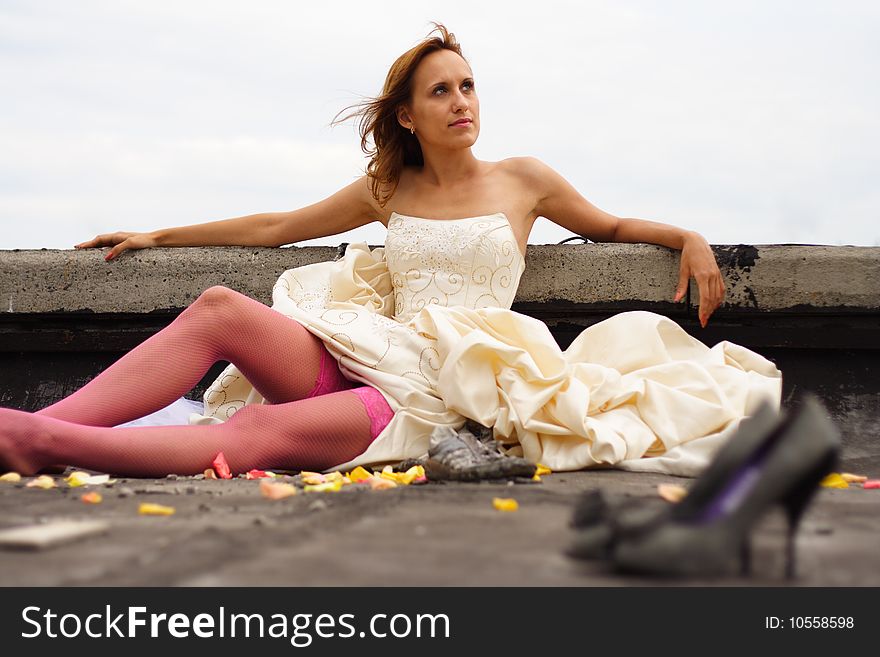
[(473, 262)]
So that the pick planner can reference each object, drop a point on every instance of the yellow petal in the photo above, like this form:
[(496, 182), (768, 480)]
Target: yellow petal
[(388, 469), (11, 477), (536, 477), (834, 480), (671, 492), (91, 498), (403, 478), (333, 476), (850, 478), (43, 481), (276, 490), (147, 509), (85, 479), (415, 472), (505, 504), (326, 487), (77, 478), (359, 474), (542, 470)]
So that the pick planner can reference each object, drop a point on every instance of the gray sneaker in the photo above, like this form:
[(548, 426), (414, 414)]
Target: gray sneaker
[(471, 454)]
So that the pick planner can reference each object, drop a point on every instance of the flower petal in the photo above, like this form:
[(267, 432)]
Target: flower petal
[(671, 492), (147, 509), (276, 490), (505, 503), (834, 480), (77, 478), (359, 474), (96, 480), (221, 467), (312, 478), (381, 483), (43, 481), (327, 487)]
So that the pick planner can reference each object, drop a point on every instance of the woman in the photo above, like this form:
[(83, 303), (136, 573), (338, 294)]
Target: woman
[(387, 345)]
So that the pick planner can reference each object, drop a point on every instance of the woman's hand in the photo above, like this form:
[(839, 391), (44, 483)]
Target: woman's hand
[(698, 262), (120, 242)]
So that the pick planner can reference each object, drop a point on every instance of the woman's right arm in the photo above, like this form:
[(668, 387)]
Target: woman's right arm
[(350, 207)]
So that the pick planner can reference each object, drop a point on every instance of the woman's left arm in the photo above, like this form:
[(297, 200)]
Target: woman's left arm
[(560, 202)]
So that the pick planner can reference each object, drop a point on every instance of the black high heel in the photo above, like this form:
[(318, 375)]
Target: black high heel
[(796, 503), (600, 525), (713, 534)]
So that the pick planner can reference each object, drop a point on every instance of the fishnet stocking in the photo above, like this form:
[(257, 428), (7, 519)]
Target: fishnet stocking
[(313, 434), (282, 360)]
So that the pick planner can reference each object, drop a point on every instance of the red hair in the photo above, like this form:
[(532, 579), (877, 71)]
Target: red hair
[(393, 146)]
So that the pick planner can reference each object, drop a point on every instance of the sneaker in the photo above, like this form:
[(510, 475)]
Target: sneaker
[(471, 454)]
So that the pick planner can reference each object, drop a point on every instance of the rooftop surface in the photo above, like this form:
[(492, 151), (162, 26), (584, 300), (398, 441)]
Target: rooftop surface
[(224, 533)]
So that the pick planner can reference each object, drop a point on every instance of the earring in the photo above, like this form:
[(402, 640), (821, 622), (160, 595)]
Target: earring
[(412, 130)]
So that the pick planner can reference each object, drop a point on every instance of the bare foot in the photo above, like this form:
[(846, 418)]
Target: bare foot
[(21, 437)]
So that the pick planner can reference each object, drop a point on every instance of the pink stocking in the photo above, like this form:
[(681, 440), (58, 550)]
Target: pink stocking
[(282, 360), (312, 434)]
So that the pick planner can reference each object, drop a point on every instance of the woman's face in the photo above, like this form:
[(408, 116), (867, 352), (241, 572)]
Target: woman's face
[(444, 108)]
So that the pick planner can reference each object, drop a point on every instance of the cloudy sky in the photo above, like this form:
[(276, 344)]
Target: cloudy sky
[(749, 121)]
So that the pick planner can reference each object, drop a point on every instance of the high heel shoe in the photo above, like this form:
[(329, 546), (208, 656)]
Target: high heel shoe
[(600, 525), (714, 534)]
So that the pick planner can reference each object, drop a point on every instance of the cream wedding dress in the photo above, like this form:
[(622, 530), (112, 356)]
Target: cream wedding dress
[(426, 320)]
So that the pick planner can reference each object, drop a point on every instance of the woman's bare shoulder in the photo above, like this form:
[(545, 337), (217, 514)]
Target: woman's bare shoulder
[(526, 167), (529, 173)]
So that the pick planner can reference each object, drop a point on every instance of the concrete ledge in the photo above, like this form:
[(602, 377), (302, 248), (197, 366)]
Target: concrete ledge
[(758, 278)]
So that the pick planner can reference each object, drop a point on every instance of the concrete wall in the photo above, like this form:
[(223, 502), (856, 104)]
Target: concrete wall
[(765, 278)]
